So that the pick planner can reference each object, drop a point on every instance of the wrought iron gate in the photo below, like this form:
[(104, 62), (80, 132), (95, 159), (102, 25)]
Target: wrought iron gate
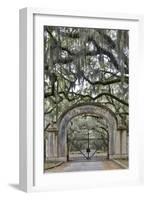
[(87, 146)]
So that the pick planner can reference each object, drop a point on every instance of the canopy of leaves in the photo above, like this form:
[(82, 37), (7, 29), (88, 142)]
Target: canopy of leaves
[(85, 65)]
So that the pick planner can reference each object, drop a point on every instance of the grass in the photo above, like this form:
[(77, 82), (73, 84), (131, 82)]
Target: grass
[(124, 161), (51, 164)]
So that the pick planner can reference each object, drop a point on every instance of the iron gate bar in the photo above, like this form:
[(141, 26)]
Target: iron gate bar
[(93, 153), (81, 151), (87, 149)]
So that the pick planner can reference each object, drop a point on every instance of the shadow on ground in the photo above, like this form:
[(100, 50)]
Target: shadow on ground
[(15, 186)]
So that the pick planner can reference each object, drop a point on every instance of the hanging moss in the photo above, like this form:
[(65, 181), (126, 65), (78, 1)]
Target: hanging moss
[(75, 53)]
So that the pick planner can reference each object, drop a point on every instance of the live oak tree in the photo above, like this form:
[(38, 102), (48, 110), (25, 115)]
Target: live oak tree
[(85, 65)]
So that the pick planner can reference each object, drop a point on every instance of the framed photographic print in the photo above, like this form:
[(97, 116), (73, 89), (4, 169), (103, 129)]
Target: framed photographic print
[(79, 113)]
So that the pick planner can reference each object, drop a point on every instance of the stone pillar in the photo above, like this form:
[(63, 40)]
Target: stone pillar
[(52, 143), (55, 144), (62, 142), (124, 142), (114, 140), (121, 150), (45, 149), (117, 144), (45, 146), (127, 143)]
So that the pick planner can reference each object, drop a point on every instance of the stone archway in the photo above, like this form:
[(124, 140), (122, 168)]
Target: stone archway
[(94, 109)]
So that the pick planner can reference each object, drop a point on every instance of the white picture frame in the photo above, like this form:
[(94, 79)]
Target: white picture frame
[(31, 175)]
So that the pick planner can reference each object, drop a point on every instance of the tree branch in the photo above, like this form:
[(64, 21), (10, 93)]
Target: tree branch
[(107, 82)]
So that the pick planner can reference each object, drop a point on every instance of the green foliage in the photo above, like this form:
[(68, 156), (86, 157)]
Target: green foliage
[(85, 65)]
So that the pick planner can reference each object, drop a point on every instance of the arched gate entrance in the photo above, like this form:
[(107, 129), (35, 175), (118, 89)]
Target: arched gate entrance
[(56, 139), (94, 109)]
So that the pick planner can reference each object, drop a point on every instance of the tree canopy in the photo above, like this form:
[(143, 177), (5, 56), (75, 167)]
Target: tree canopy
[(85, 65)]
